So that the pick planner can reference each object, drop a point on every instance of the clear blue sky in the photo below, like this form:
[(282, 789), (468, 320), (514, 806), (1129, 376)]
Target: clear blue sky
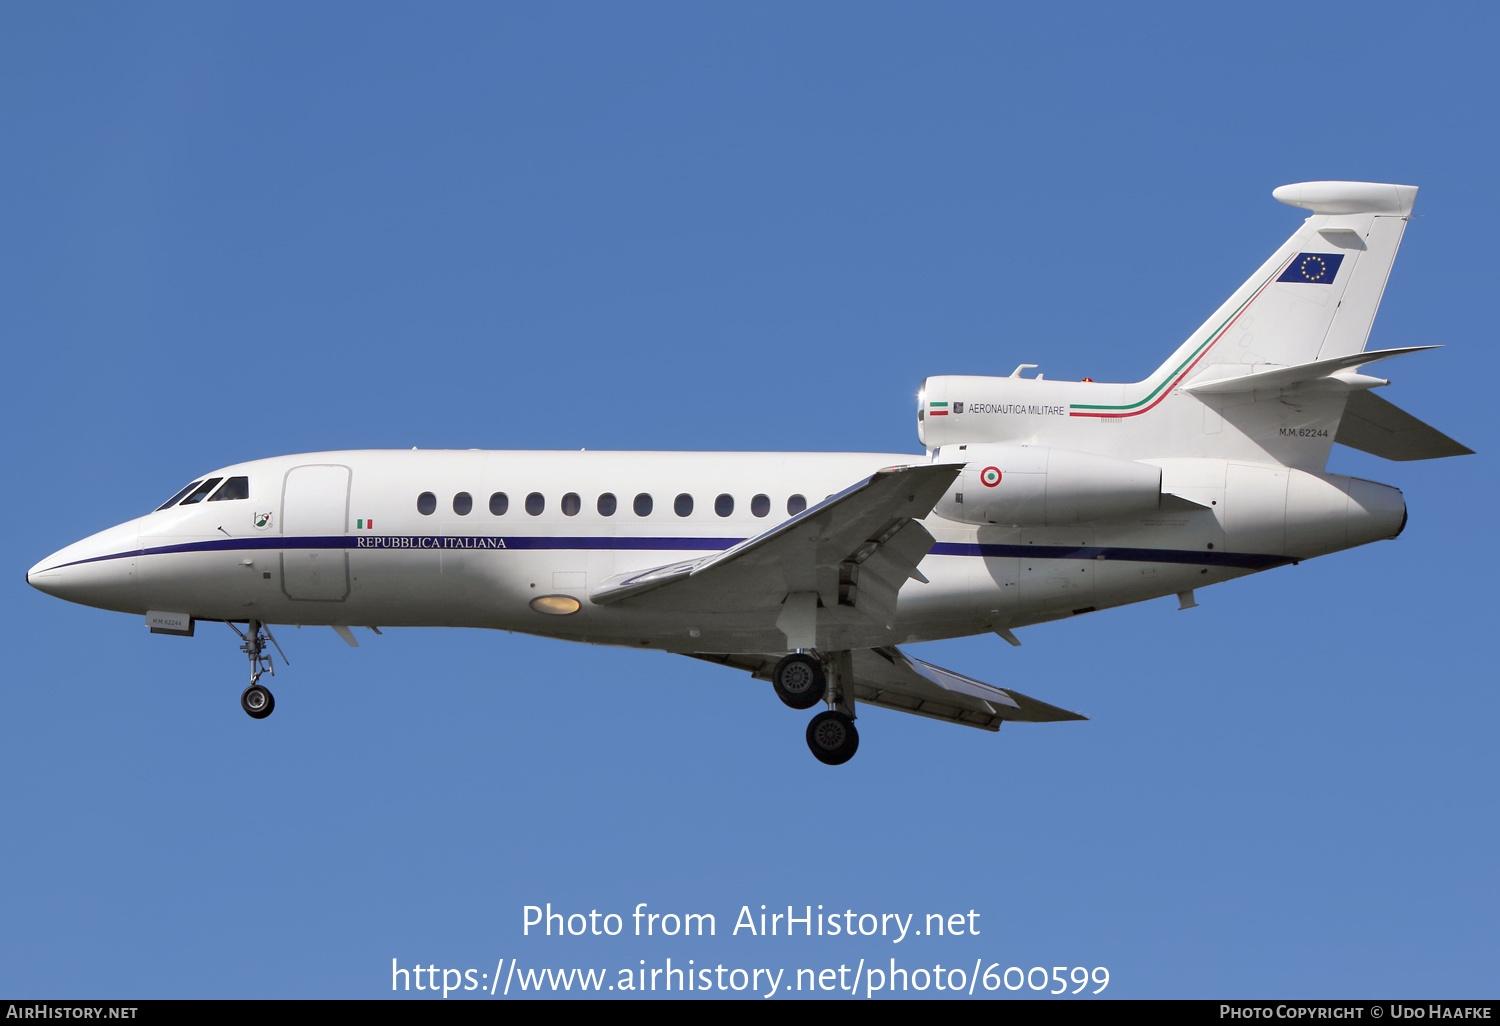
[(234, 231)]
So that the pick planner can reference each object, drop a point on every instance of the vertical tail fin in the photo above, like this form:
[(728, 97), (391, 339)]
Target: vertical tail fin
[(1266, 379), (1316, 297)]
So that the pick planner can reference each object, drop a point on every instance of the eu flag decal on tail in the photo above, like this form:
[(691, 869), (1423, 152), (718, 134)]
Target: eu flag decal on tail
[(1313, 268)]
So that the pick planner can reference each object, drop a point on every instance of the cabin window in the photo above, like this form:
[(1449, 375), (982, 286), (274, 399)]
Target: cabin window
[(463, 504), (202, 490), (173, 500), (683, 505), (642, 505), (760, 505), (426, 504), (796, 504), (724, 505), (571, 504), (607, 504), (499, 503), (234, 488), (535, 504)]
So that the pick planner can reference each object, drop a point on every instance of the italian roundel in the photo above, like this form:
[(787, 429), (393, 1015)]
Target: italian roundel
[(990, 476), (1313, 268)]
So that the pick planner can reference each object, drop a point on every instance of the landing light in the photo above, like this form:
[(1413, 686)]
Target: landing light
[(556, 605)]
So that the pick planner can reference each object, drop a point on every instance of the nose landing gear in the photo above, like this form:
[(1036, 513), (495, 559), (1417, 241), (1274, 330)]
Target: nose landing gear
[(257, 700)]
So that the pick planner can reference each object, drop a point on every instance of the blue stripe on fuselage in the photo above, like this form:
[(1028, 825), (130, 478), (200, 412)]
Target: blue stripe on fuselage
[(1240, 560), (440, 542)]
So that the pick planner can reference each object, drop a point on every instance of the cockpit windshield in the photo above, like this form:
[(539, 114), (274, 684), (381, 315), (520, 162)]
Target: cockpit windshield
[(173, 500), (198, 494), (234, 488)]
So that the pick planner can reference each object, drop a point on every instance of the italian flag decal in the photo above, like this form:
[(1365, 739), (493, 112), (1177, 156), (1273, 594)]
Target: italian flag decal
[(937, 409), (365, 525)]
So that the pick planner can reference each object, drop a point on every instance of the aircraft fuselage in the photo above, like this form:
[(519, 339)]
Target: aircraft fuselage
[(473, 538)]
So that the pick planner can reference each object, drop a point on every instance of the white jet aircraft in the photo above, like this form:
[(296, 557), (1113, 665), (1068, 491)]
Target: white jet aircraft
[(1036, 500)]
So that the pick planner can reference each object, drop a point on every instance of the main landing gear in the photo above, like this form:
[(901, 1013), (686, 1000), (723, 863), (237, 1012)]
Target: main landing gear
[(802, 680), (832, 737), (799, 680), (257, 700)]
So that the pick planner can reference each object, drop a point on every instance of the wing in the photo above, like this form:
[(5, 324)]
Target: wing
[(889, 678), (855, 549)]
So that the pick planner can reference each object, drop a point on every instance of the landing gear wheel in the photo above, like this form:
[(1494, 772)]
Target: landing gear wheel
[(832, 737), (799, 681), (258, 702)]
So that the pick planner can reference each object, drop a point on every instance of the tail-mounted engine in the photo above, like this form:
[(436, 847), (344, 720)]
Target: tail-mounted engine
[(1036, 486)]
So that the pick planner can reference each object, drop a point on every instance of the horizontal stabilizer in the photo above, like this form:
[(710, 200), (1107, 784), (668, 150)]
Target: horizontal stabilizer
[(1381, 429), (1285, 377)]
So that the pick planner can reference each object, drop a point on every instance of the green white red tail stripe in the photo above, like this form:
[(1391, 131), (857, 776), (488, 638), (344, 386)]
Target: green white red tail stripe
[(1173, 379)]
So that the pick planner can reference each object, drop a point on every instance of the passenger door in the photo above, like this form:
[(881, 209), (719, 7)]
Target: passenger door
[(314, 528)]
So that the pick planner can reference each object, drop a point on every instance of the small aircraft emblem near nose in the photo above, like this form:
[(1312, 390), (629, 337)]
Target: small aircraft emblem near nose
[(263, 520)]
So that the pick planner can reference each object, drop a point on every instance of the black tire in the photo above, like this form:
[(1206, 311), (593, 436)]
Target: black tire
[(799, 681), (832, 738), (258, 702)]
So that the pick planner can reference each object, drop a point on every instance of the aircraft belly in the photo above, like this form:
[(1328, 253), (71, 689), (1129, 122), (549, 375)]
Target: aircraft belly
[(218, 585), (1121, 582), (400, 587), (317, 575), (702, 620)]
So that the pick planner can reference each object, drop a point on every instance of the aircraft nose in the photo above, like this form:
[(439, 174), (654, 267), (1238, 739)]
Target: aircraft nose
[(98, 571), (42, 577)]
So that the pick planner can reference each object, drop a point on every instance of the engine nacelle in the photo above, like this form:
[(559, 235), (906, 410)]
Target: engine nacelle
[(1039, 486)]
